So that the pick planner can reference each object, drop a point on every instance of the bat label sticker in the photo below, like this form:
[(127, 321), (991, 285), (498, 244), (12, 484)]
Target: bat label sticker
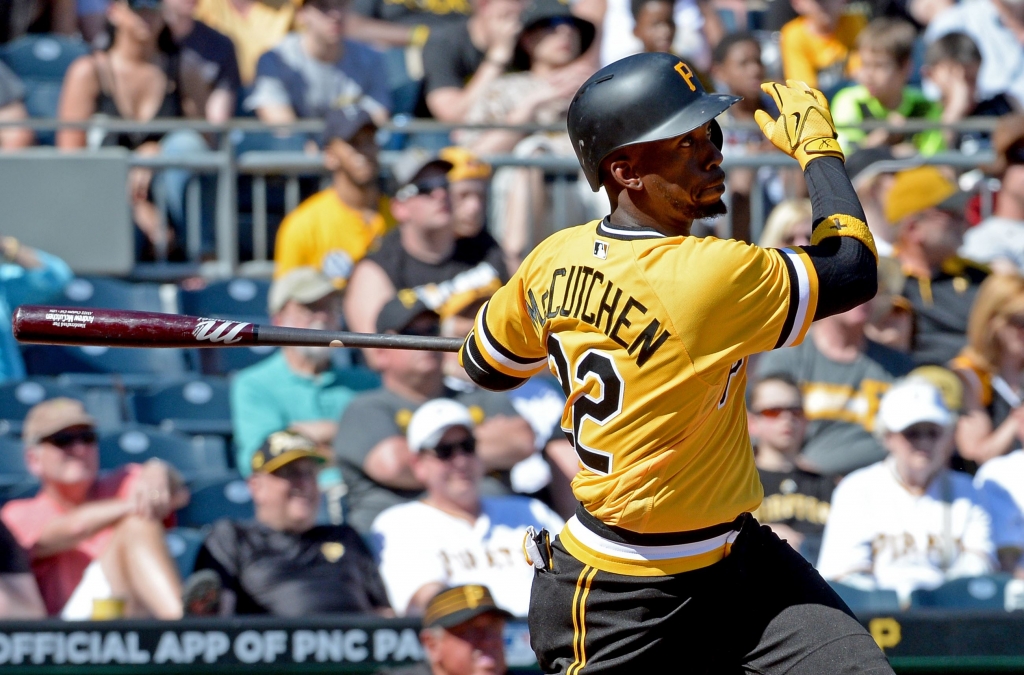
[(218, 330), (69, 318)]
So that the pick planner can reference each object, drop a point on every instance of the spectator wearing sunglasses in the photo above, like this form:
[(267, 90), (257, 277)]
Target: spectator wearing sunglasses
[(91, 537), (908, 521), (297, 388), (371, 445), (283, 563), (842, 375), (452, 535), (796, 501), (423, 258)]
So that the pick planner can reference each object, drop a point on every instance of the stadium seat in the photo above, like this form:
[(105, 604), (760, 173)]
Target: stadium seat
[(225, 497), (194, 456), (183, 544), (17, 398), (984, 592), (12, 461), (193, 407), (867, 602), (105, 366), (112, 294), (226, 361), (239, 299), (41, 61)]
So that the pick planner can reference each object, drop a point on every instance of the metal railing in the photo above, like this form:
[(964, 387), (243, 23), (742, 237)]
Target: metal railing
[(223, 162)]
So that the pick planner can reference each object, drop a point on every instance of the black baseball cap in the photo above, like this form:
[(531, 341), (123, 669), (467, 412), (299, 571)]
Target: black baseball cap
[(144, 4), (545, 12), (345, 123), (453, 606), (284, 447), (401, 311)]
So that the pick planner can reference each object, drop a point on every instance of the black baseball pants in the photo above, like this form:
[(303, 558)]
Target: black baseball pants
[(762, 610)]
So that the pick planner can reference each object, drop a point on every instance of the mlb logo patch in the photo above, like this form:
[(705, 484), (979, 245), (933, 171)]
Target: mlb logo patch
[(601, 250)]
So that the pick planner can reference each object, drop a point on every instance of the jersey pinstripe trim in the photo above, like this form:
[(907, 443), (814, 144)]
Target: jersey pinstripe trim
[(803, 296), (481, 371), (591, 549), (500, 356), (627, 233)]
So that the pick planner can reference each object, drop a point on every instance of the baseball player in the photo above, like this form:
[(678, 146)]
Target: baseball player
[(649, 329)]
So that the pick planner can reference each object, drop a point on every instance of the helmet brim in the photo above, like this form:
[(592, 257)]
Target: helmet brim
[(698, 113)]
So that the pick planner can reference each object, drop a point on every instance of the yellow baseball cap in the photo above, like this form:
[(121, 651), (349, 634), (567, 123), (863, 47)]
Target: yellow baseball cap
[(921, 188), (465, 165)]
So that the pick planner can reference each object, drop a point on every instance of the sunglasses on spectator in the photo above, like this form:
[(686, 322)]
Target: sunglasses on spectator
[(929, 434), (67, 438), (422, 187), (445, 451), (772, 413), (556, 21)]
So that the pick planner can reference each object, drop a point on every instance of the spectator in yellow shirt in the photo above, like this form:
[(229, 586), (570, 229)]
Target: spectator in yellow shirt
[(255, 26), (818, 46), (332, 230)]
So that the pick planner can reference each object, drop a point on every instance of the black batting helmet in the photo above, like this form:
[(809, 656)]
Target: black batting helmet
[(641, 98)]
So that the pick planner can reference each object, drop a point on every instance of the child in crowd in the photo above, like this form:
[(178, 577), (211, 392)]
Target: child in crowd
[(737, 69), (796, 502), (655, 24), (817, 46), (884, 49), (952, 63)]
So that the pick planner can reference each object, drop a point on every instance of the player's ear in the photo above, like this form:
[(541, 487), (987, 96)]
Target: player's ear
[(32, 461), (624, 175)]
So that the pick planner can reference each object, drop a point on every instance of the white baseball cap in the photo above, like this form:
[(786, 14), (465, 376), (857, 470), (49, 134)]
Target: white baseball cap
[(432, 419), (912, 401)]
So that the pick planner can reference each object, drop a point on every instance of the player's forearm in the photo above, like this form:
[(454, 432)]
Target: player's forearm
[(843, 251)]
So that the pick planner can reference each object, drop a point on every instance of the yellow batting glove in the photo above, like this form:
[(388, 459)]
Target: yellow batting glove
[(805, 129)]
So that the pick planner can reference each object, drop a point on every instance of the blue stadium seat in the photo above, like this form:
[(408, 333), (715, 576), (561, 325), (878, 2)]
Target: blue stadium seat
[(225, 361), (111, 294), (240, 299), (867, 602), (194, 456), (12, 461), (183, 544), (983, 592), (225, 497), (15, 480), (17, 398), (41, 61), (105, 366), (199, 406)]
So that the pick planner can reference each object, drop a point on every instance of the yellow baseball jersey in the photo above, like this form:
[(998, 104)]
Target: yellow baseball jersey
[(325, 233), (649, 336), (257, 31)]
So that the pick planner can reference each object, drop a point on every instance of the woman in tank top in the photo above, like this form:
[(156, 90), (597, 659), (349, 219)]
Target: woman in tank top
[(992, 369), (131, 80)]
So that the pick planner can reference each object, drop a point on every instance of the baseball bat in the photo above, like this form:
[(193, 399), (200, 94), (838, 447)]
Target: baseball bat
[(80, 326)]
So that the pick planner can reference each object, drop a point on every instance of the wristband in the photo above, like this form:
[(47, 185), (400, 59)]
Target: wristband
[(842, 225), (419, 36)]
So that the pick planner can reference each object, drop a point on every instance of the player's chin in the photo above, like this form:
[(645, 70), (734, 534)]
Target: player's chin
[(709, 209)]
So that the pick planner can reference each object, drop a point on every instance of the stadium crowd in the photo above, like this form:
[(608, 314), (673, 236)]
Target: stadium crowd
[(889, 442)]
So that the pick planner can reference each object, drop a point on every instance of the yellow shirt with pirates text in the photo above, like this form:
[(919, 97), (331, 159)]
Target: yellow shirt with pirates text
[(649, 337)]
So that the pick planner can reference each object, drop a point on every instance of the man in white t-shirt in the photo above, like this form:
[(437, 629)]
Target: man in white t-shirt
[(908, 522), (453, 535)]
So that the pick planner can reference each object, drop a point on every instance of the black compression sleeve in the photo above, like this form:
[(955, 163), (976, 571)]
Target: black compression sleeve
[(846, 267)]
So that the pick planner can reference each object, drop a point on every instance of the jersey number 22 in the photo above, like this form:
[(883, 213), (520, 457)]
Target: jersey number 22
[(600, 406)]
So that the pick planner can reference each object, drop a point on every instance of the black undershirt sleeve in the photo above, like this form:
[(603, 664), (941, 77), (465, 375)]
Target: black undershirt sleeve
[(847, 269)]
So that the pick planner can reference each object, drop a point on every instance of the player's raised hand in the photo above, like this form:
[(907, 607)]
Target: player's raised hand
[(804, 130)]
